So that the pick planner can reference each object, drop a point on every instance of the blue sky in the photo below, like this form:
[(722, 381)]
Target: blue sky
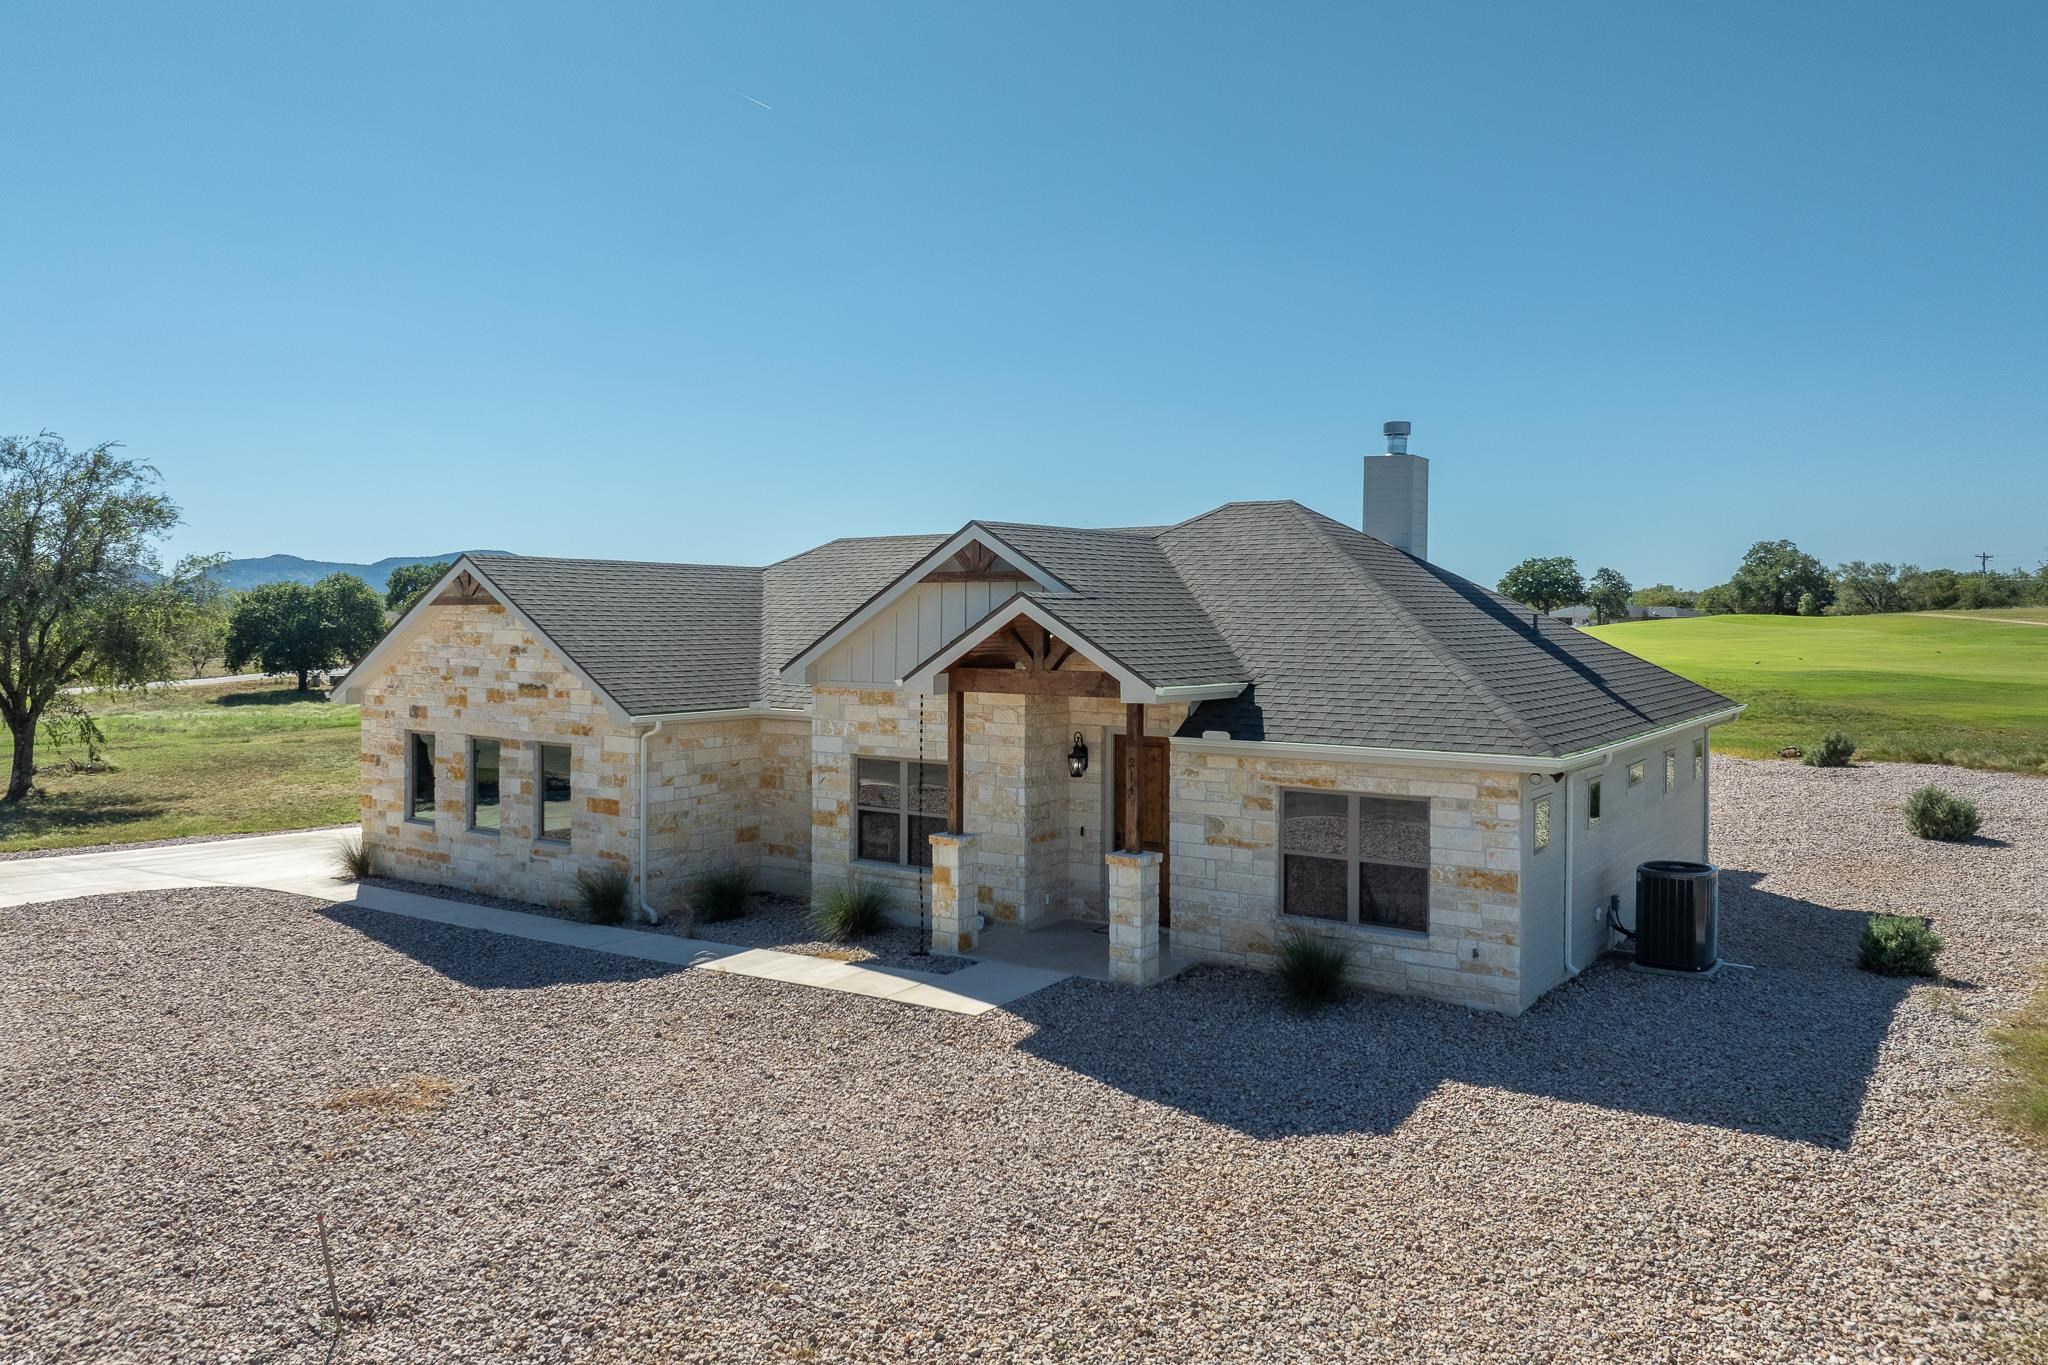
[(1652, 281)]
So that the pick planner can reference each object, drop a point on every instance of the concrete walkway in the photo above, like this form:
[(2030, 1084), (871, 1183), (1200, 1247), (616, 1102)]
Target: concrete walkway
[(301, 864)]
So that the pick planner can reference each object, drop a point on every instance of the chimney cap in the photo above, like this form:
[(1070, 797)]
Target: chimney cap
[(1398, 428)]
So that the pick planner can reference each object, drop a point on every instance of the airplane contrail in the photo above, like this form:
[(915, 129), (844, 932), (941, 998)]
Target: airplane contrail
[(751, 100)]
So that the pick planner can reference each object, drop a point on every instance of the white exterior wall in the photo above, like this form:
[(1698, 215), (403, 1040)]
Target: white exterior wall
[(1636, 825), (925, 620)]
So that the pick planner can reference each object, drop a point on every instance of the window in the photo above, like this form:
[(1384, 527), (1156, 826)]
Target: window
[(1355, 859), (1635, 773), (1699, 759), (1670, 769), (1541, 822), (419, 798), (554, 792), (483, 785), (898, 805), (1592, 805)]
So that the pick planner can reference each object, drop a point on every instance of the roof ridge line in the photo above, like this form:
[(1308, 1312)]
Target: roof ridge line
[(1319, 524)]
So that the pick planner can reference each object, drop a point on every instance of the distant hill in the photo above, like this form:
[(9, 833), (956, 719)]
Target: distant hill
[(243, 574)]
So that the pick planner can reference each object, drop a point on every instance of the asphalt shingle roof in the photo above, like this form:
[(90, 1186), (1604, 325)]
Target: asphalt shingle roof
[(1340, 638)]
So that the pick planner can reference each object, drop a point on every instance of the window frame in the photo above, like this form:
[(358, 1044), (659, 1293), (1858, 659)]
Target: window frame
[(1540, 826), (540, 795), (1638, 769), (1699, 759), (1670, 770), (906, 783), (414, 739), (1592, 803), (1354, 861), (469, 794)]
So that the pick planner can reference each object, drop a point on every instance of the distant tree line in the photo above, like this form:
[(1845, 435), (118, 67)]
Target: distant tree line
[(1777, 578)]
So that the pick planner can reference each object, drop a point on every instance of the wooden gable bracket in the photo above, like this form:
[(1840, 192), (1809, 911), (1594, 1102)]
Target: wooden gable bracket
[(975, 563), (463, 590), (1024, 658)]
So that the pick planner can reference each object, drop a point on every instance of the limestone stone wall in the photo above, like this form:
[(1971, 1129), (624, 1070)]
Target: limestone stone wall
[(1225, 873), (1038, 845), (727, 793), (474, 673)]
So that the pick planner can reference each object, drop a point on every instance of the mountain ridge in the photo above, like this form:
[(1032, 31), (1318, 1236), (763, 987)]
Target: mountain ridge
[(242, 574)]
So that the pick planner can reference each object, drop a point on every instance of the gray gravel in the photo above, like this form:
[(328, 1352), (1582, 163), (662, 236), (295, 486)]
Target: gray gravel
[(636, 1164)]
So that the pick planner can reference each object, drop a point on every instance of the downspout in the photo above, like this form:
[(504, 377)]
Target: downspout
[(1569, 844), (640, 800)]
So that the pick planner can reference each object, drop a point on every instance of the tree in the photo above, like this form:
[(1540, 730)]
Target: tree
[(1862, 588), (1662, 595), (1773, 575), (1718, 600), (408, 581), (289, 628), (1545, 584), (82, 597), (1608, 596)]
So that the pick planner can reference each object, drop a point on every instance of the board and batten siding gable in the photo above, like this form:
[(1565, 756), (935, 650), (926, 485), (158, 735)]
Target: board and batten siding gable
[(912, 629)]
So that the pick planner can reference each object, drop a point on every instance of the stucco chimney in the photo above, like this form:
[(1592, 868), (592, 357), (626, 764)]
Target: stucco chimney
[(1397, 495)]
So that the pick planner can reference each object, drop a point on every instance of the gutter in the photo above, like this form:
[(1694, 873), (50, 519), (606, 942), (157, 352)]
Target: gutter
[(640, 799), (751, 711), (1578, 761)]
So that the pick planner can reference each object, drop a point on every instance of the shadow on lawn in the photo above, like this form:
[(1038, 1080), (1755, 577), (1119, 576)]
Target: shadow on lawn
[(492, 962), (277, 696), (1785, 1050), (53, 814)]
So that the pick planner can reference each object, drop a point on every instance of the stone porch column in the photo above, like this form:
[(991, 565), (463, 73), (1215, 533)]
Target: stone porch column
[(1133, 917), (956, 894)]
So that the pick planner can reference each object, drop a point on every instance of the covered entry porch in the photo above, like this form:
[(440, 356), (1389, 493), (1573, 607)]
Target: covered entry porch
[(1056, 848)]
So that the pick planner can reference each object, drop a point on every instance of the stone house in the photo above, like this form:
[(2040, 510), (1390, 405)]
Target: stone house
[(1202, 737)]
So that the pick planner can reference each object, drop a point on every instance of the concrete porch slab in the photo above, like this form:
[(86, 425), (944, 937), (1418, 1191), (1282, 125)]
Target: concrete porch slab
[(1069, 948)]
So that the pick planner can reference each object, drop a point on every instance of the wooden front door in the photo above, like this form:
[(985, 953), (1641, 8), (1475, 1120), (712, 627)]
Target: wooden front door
[(1153, 818)]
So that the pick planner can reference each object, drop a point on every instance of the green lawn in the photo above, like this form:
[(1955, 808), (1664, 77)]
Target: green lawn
[(1968, 688), (231, 759)]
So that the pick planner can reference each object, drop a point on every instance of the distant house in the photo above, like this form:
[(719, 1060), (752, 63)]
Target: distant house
[(1254, 722), (1579, 614)]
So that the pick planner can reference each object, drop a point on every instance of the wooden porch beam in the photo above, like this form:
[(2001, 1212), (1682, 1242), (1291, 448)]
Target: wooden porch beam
[(1022, 682), (956, 751), (1133, 759)]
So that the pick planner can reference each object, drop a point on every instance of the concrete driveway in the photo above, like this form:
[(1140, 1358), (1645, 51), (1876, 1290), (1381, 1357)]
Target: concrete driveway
[(303, 864)]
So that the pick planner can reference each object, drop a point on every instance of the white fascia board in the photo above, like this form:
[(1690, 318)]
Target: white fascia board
[(1595, 757), (756, 711), (794, 670), (409, 625), (1131, 687)]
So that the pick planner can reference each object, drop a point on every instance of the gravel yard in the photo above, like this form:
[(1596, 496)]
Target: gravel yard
[(527, 1152)]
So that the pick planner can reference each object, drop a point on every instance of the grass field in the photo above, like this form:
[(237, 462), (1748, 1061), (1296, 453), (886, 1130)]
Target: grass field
[(236, 758), (1969, 688)]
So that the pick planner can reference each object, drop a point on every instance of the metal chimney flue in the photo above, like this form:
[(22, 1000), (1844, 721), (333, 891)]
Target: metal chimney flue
[(1397, 494)]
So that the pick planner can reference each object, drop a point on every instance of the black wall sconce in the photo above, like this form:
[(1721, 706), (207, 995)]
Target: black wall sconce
[(1077, 757)]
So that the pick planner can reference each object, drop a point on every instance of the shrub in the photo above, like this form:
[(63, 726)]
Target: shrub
[(1898, 945), (1933, 813), (850, 910), (606, 894), (352, 861), (1312, 970), (721, 895), (1834, 751)]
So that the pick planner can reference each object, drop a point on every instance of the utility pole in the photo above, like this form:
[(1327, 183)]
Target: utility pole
[(1984, 558)]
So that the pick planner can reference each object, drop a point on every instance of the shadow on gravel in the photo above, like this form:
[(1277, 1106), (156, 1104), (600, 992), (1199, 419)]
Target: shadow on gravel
[(1786, 1049), (488, 961)]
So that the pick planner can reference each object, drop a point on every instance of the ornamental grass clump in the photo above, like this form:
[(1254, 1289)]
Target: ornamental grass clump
[(1834, 751), (352, 861), (850, 910), (1898, 945), (1933, 813), (605, 894), (1312, 970), (722, 895)]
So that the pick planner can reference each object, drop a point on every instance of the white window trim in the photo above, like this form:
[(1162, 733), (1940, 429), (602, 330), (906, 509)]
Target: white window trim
[(904, 786), (1352, 860), (540, 796)]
